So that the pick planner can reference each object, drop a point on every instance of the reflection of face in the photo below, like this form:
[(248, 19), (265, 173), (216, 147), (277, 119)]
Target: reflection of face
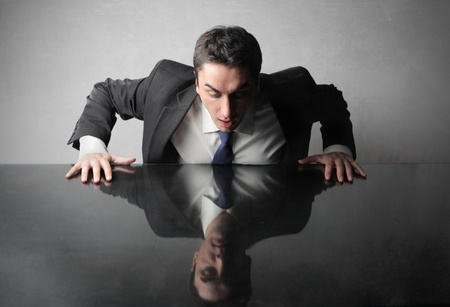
[(218, 258), (226, 92)]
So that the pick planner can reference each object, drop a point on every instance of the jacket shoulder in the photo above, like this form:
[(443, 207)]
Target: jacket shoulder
[(180, 70), (166, 80), (291, 77)]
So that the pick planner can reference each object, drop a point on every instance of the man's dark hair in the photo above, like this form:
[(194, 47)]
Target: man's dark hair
[(229, 46)]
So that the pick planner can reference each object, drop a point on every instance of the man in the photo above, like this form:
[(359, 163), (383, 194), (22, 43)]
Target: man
[(224, 100)]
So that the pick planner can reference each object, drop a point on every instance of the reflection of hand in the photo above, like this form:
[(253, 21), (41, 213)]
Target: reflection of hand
[(97, 162), (343, 163)]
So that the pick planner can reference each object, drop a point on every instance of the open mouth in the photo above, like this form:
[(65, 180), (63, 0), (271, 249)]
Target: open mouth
[(226, 124)]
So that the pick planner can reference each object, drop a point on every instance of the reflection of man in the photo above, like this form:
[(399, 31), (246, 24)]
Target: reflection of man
[(181, 201), (186, 110), (220, 268)]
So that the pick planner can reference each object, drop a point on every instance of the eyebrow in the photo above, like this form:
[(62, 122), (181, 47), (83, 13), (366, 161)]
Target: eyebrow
[(240, 87)]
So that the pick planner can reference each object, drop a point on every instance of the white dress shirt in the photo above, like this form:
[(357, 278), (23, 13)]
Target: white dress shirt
[(258, 139)]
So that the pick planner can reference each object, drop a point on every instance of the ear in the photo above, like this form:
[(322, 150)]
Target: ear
[(196, 83), (194, 261), (195, 78)]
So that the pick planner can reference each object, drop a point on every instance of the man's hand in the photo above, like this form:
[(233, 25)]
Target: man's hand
[(343, 163), (97, 162)]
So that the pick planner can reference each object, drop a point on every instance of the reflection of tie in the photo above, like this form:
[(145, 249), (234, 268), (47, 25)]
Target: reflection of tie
[(224, 154), (223, 175)]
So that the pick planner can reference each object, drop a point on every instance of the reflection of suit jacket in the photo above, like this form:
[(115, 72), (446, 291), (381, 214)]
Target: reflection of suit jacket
[(163, 99), (283, 208)]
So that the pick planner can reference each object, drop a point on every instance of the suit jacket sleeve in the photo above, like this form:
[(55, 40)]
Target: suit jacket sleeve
[(332, 113), (123, 97), (299, 102)]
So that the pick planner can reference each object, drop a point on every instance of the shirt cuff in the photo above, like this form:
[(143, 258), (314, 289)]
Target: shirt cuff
[(338, 147), (90, 144)]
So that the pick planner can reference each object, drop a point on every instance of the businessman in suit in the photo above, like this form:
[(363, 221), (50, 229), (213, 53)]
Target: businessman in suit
[(222, 102)]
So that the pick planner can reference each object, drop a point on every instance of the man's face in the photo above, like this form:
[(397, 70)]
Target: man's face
[(220, 256), (226, 92)]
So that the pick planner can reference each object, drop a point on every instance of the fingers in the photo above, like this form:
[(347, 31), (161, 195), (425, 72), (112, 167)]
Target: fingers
[(328, 170), (97, 162), (339, 165), (359, 169), (78, 168), (344, 170), (85, 172), (341, 162), (311, 159), (72, 171), (106, 167), (121, 160), (349, 171)]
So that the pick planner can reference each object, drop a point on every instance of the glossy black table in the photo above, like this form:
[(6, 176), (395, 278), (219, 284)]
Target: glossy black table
[(298, 240)]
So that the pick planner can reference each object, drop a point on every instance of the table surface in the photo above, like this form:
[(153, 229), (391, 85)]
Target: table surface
[(383, 240)]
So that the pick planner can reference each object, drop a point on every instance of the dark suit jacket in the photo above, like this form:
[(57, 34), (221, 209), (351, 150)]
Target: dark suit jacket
[(163, 98)]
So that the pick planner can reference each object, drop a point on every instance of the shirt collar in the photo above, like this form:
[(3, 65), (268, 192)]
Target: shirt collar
[(245, 127)]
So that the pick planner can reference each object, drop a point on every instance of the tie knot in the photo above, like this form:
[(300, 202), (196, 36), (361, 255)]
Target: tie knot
[(225, 137)]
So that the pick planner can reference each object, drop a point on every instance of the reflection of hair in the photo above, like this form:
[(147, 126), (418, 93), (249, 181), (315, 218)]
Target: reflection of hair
[(240, 286), (230, 46)]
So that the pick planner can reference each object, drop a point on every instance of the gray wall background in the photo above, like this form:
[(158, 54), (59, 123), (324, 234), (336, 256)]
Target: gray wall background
[(390, 59)]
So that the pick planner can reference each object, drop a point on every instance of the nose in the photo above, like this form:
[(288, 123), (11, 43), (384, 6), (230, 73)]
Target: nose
[(225, 107), (219, 251), (220, 260)]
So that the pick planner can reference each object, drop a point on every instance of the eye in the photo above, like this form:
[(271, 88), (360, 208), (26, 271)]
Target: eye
[(213, 94), (208, 274), (240, 94)]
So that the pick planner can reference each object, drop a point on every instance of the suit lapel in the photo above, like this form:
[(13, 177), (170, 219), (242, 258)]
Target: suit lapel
[(166, 124)]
